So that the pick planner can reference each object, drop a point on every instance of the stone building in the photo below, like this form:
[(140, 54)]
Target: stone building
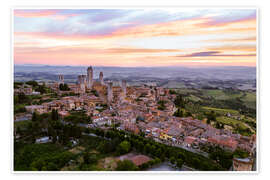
[(240, 164)]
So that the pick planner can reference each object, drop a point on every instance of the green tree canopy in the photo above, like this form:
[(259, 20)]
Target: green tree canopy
[(179, 101), (126, 165), (124, 147)]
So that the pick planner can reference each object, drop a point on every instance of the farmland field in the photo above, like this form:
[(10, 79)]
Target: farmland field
[(222, 111)]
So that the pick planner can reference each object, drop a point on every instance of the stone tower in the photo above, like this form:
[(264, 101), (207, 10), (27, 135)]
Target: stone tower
[(109, 92), (124, 88), (89, 77), (61, 79), (82, 82), (101, 78)]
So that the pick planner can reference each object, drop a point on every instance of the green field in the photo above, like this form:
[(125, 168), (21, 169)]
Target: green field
[(175, 84), (222, 111), (250, 100), (185, 91), (230, 121), (194, 98), (239, 126), (220, 94), (22, 124)]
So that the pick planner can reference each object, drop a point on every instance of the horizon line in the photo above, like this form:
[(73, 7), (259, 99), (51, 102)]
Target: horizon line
[(185, 66)]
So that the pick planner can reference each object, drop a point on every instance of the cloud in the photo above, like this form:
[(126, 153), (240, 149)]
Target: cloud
[(35, 13), (232, 17), (135, 37), (231, 48), (137, 23), (86, 50), (245, 39), (213, 53)]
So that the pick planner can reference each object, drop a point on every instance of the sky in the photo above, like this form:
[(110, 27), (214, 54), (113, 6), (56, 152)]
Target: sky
[(135, 37)]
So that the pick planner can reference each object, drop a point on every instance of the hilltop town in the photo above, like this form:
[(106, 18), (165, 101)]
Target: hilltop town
[(151, 112)]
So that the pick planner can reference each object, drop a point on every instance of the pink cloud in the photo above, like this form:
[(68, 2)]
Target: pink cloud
[(35, 13)]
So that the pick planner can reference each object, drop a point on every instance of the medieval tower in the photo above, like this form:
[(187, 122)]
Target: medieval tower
[(124, 88), (101, 78), (110, 92), (89, 77)]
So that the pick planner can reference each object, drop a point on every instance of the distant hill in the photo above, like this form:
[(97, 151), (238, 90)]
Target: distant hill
[(213, 73)]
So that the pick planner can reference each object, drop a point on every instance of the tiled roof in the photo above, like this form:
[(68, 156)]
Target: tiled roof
[(140, 159)]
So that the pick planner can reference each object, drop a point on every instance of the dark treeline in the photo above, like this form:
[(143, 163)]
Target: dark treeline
[(40, 157), (64, 87), (158, 150)]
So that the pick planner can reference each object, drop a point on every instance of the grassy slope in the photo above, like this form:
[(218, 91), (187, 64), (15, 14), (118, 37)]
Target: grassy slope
[(222, 111), (220, 94), (250, 100)]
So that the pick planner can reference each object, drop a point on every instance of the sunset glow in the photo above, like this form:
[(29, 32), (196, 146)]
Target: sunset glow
[(136, 37)]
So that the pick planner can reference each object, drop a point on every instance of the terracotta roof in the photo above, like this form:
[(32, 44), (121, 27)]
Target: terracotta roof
[(140, 159), (189, 139)]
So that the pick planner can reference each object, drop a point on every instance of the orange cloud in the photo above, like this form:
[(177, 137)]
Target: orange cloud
[(36, 13), (236, 40), (245, 48)]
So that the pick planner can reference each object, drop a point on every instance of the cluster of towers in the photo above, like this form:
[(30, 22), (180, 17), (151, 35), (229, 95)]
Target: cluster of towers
[(110, 90), (87, 82)]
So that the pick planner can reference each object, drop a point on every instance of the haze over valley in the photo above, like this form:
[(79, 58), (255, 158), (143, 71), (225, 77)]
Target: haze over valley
[(171, 77)]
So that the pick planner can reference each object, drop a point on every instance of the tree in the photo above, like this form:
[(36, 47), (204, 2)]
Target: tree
[(126, 165), (17, 85), (172, 91), (94, 92), (18, 130), (55, 115), (238, 153), (157, 160), (211, 116), (50, 167), (64, 87), (181, 155), (32, 83), (22, 98), (223, 157), (172, 160), (179, 102), (158, 152), (179, 113), (161, 105), (41, 89), (124, 147), (106, 146), (147, 148), (188, 114), (219, 125), (162, 157), (140, 146), (89, 158), (179, 163)]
